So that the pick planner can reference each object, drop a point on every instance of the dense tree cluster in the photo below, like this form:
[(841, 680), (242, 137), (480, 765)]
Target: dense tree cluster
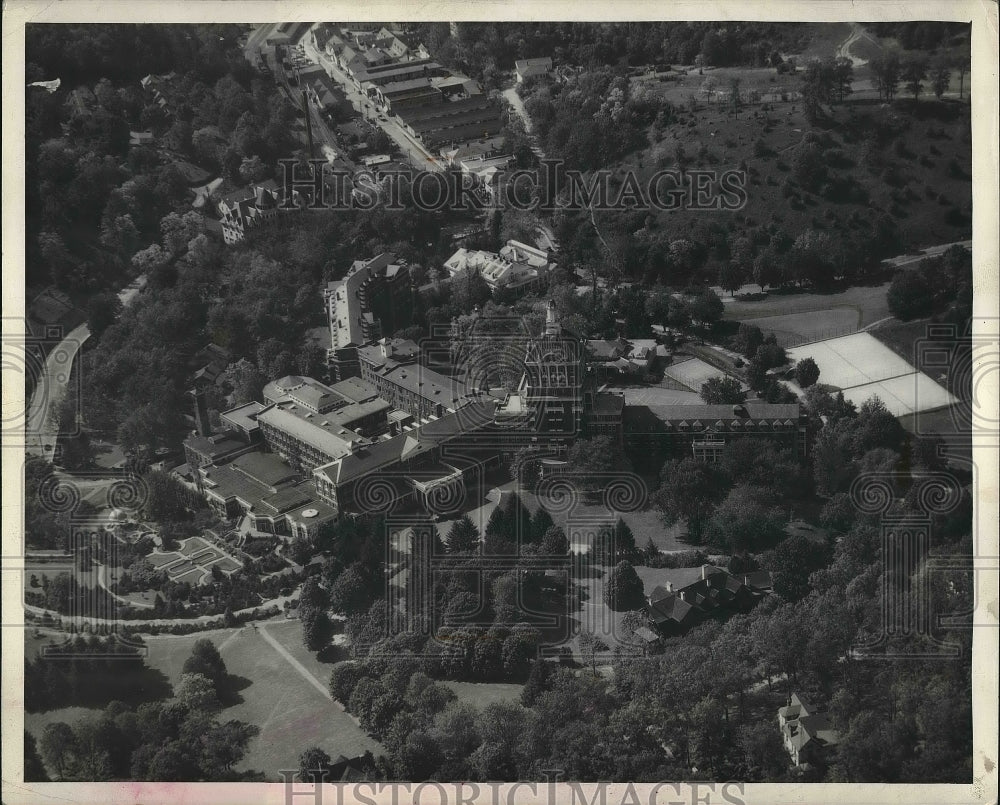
[(178, 739)]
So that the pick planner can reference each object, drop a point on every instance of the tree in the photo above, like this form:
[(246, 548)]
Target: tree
[(806, 372), (747, 339), (688, 490), (885, 67), (462, 537), (706, 307), (197, 692), (554, 542), (722, 391), (595, 456), (748, 519), (314, 765), (537, 683), (350, 593), (58, 745), (541, 522), (623, 589), (102, 311), (909, 296), (590, 646), (317, 631), (940, 76), (34, 769), (770, 355), (731, 276), (838, 513), (246, 380), (206, 660), (914, 73), (791, 562)]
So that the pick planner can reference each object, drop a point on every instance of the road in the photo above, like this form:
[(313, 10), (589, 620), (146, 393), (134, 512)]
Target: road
[(930, 251), (857, 32), (418, 156), (137, 624), (41, 434)]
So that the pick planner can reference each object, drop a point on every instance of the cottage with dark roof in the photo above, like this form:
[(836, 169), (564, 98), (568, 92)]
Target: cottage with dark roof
[(806, 732), (686, 597)]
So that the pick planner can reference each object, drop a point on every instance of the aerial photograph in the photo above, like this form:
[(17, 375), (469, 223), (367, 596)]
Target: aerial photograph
[(487, 401)]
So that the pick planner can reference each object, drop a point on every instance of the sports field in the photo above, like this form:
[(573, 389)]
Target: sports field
[(863, 366), (692, 373)]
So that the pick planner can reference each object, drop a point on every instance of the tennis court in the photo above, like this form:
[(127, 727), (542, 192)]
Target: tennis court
[(693, 373), (852, 360), (862, 366)]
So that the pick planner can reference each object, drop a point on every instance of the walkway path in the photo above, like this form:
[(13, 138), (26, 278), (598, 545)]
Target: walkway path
[(302, 670)]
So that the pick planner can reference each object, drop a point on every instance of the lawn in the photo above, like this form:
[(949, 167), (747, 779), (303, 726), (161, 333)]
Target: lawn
[(581, 522), (291, 712), (482, 694), (781, 313)]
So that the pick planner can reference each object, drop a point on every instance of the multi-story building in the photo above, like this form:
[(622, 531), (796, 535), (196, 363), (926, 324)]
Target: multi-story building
[(373, 299), (240, 212), (517, 266), (392, 368), (702, 431)]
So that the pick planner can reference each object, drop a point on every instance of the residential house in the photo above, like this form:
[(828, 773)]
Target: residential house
[(531, 68), (686, 597), (806, 732)]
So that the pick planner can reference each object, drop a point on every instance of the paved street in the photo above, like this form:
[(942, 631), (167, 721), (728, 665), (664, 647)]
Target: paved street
[(41, 433)]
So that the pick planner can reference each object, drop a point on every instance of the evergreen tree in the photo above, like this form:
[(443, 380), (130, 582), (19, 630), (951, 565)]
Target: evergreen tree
[(623, 590), (463, 536), (541, 522), (537, 683)]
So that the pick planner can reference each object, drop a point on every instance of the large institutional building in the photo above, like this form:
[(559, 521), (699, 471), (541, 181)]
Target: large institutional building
[(392, 430), (374, 299)]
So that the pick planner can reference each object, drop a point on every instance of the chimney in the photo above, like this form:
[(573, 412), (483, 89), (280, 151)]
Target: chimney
[(393, 428), (384, 347), (439, 410), (203, 425)]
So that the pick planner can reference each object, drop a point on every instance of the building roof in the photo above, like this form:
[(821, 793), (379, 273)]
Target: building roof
[(265, 468), (606, 403), (216, 446), (243, 416), (540, 63), (320, 431), (368, 458), (709, 414), (425, 383), (355, 389)]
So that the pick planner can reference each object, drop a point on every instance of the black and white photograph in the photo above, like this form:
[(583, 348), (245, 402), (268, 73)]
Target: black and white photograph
[(583, 399)]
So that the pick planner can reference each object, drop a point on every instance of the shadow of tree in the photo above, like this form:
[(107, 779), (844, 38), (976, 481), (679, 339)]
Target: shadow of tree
[(230, 687)]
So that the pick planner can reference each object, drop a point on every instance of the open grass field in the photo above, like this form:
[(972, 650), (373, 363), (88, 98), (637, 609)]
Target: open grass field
[(798, 317), (483, 694), (280, 695)]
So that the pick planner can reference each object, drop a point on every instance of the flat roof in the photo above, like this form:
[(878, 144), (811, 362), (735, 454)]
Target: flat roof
[(243, 416), (355, 389), (369, 458), (317, 430)]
